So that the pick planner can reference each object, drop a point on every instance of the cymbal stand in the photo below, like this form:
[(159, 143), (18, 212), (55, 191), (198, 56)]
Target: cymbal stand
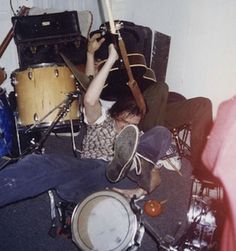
[(82, 129), (37, 147)]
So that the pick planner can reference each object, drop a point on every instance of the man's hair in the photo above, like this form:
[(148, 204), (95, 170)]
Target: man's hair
[(126, 104)]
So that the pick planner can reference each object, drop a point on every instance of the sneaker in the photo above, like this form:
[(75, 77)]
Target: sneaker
[(171, 161), (124, 150)]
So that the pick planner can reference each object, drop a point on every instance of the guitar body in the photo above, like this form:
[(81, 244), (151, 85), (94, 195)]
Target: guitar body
[(118, 72), (117, 81)]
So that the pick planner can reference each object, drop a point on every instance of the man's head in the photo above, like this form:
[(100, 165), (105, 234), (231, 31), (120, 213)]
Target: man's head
[(125, 111)]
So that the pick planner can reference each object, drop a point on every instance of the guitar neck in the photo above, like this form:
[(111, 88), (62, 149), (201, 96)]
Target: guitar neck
[(6, 42), (23, 11), (125, 58), (132, 83)]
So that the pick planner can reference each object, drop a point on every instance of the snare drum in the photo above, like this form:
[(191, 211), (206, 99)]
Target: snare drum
[(104, 221), (202, 213), (40, 90)]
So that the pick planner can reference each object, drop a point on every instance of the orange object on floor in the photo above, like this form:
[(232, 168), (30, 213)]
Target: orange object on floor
[(152, 208)]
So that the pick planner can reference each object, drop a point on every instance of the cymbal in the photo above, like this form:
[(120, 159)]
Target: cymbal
[(81, 78)]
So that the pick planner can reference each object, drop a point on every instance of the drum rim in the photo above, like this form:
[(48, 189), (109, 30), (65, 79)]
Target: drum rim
[(78, 209), (41, 65)]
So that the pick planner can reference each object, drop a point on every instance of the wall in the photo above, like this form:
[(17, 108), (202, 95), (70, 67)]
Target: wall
[(9, 58), (202, 54)]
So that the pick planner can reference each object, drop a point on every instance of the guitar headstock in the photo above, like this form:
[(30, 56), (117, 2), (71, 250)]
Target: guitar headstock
[(23, 11), (105, 27)]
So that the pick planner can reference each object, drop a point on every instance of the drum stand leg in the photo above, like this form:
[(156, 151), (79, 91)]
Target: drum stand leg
[(149, 229), (37, 147), (82, 131), (17, 135)]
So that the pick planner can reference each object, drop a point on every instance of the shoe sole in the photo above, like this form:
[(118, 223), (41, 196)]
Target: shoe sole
[(124, 150)]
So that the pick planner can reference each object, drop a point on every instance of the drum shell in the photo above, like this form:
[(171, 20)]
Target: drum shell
[(202, 214), (40, 89), (98, 211), (7, 125)]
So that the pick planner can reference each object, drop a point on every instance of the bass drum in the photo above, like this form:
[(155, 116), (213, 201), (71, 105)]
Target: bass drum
[(7, 125), (104, 221), (206, 200), (40, 92)]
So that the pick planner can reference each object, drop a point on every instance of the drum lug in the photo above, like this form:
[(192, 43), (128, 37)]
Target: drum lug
[(14, 82), (30, 75), (13, 79), (36, 117), (56, 73)]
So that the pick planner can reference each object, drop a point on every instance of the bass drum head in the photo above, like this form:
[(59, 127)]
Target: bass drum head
[(104, 221)]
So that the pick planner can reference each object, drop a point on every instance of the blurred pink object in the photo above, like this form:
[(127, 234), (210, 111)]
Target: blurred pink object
[(219, 156)]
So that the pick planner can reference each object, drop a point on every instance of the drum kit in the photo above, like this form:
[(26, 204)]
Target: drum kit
[(47, 93), (47, 97)]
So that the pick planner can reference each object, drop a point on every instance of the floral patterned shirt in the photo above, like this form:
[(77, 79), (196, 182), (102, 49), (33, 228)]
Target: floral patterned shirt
[(98, 143)]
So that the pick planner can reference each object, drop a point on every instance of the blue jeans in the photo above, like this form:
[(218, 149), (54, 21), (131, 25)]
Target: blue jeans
[(154, 143), (73, 179)]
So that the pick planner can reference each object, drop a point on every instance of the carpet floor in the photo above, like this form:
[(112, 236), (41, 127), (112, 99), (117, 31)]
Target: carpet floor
[(24, 225)]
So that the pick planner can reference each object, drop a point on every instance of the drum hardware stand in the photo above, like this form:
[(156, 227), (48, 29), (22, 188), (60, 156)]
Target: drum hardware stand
[(81, 128), (43, 118), (17, 134), (162, 244), (38, 147), (192, 239), (32, 127), (144, 225), (52, 230), (185, 240)]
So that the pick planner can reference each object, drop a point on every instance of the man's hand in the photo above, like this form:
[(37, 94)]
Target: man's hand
[(94, 43)]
